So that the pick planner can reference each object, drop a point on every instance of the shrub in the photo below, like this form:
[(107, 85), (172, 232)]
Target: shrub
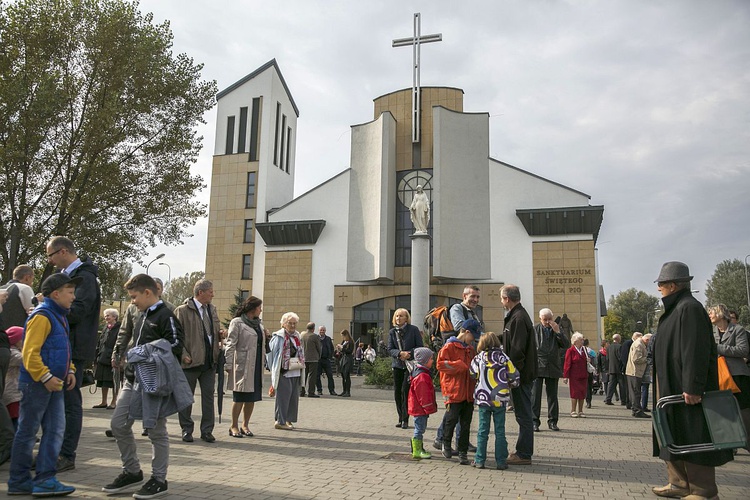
[(379, 373)]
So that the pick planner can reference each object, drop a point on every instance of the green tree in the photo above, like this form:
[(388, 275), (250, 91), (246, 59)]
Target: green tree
[(113, 278), (613, 324), (233, 307), (626, 309), (181, 288), (728, 286), (97, 130)]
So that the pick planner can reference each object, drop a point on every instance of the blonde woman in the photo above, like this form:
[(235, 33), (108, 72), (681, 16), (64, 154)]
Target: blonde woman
[(286, 360), (403, 338)]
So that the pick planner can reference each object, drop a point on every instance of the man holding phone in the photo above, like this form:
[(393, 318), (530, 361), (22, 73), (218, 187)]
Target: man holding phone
[(551, 342)]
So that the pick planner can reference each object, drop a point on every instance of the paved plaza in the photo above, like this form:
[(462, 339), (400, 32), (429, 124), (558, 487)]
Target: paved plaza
[(348, 448)]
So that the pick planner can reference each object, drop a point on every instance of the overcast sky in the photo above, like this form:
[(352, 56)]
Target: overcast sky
[(643, 105)]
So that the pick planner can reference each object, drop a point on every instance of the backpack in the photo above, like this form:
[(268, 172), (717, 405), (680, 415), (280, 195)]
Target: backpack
[(437, 322)]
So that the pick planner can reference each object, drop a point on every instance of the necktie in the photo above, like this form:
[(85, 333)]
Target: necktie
[(207, 324)]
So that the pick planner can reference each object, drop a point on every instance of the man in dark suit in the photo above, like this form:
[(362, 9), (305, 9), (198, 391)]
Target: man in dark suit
[(324, 364)]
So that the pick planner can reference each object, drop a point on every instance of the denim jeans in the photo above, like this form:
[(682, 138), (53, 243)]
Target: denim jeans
[(525, 418), (38, 407), (73, 414), (644, 395), (486, 415), (420, 425)]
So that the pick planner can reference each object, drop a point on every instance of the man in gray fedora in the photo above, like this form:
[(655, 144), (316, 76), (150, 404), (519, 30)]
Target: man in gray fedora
[(685, 364)]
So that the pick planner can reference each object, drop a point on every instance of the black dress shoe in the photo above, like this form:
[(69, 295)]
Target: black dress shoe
[(640, 414), (553, 426), (609, 403), (311, 395), (333, 393), (400, 423), (536, 428), (187, 436), (145, 432), (208, 437)]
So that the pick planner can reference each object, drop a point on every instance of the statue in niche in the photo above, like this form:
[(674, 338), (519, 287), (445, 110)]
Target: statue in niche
[(420, 210)]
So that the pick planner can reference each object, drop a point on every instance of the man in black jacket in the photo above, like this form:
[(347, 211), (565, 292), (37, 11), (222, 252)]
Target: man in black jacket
[(616, 372), (622, 357), (84, 333), (155, 322), (520, 346), (551, 342)]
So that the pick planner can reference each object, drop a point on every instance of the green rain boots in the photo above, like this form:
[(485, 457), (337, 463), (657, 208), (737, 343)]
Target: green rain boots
[(417, 450)]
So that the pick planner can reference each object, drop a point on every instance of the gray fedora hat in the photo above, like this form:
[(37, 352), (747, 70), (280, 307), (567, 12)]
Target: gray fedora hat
[(674, 271)]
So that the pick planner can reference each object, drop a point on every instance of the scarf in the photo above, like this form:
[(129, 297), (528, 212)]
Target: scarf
[(286, 349), (252, 323)]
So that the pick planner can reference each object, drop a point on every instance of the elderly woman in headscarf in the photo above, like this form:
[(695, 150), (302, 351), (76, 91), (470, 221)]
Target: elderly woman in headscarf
[(286, 360)]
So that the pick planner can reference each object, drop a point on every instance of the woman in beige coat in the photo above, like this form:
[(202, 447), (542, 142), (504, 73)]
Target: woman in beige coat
[(245, 348)]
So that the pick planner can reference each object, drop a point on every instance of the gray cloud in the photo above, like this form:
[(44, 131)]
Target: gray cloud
[(641, 104)]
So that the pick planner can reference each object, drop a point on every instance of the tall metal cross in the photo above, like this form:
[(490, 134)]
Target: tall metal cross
[(416, 101)]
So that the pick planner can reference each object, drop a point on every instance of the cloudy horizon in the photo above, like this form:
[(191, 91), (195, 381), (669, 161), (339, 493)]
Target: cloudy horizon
[(642, 105)]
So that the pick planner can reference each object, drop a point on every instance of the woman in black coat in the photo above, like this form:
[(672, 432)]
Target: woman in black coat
[(346, 363), (103, 370), (403, 338)]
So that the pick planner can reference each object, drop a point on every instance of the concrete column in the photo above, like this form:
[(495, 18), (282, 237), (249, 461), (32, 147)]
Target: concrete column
[(420, 278)]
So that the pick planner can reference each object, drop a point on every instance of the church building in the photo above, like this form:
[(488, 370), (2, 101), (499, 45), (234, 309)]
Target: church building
[(340, 254)]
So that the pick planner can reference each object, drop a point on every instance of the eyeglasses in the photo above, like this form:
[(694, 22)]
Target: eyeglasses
[(56, 251), (662, 284)]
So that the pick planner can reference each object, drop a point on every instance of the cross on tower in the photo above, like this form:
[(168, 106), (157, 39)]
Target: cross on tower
[(416, 41)]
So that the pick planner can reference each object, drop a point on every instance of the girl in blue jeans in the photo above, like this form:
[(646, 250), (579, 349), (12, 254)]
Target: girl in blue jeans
[(495, 376)]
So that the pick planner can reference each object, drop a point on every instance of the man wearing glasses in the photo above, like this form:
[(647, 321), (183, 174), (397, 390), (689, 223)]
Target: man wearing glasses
[(84, 329)]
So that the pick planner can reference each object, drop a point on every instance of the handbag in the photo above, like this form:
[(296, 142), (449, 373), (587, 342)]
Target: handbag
[(410, 364), (295, 364), (88, 377), (726, 382), (589, 367)]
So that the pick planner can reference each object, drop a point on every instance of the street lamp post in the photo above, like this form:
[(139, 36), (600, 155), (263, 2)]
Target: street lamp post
[(169, 278), (157, 258), (747, 283)]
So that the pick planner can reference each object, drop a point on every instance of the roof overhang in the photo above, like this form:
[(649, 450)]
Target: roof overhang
[(561, 221), (296, 232)]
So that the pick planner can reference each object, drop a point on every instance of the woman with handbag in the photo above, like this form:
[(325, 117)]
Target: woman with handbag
[(346, 363), (245, 347), (733, 344), (403, 338), (286, 360), (576, 374), (103, 370)]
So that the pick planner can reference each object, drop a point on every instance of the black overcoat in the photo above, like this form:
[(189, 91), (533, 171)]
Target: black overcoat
[(685, 361)]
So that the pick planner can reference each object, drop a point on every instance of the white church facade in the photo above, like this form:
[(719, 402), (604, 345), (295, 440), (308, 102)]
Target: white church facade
[(340, 254)]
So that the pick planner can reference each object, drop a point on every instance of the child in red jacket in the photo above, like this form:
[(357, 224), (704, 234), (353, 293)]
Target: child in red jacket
[(421, 400)]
